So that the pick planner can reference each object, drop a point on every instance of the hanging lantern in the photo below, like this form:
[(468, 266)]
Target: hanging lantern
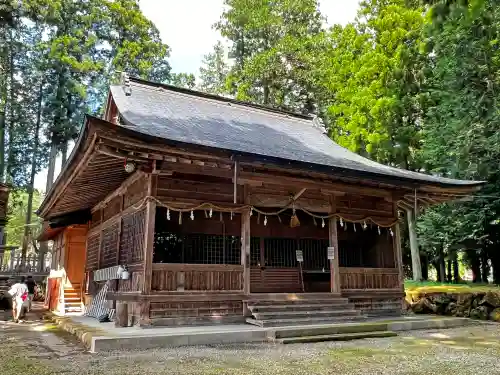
[(322, 223), (192, 215), (168, 214), (265, 220), (294, 221)]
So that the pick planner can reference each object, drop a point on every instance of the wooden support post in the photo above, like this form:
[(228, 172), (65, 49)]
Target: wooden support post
[(398, 254), (245, 249), (415, 253), (334, 263), (149, 237)]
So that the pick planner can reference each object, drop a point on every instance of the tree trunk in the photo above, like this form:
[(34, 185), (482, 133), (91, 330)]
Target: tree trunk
[(442, 272), (475, 266), (449, 276), (485, 267), (64, 154), (2, 146), (495, 266), (31, 187), (52, 165), (425, 267), (10, 126), (456, 271), (415, 253)]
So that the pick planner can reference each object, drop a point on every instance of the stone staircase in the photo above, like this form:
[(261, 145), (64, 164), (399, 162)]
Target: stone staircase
[(297, 310), (72, 300)]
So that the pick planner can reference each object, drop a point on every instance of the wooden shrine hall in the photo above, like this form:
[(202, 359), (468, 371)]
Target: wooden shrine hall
[(215, 210)]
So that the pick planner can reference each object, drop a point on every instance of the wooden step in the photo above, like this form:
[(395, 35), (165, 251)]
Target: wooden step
[(305, 314), (318, 301), (303, 321), (297, 307), (336, 337)]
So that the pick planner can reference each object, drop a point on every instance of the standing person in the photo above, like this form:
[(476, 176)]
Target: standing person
[(31, 284), (19, 293)]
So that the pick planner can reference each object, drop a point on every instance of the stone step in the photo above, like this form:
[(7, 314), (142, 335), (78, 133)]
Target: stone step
[(329, 329), (305, 314), (336, 337), (303, 321), (298, 307), (294, 296), (263, 302)]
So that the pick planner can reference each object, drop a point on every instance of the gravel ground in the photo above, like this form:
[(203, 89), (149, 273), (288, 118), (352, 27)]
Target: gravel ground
[(35, 348)]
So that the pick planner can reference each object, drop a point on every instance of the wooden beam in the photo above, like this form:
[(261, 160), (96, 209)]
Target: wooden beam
[(335, 286), (245, 248), (235, 182), (203, 170), (122, 189), (398, 255), (149, 234), (327, 186), (297, 196)]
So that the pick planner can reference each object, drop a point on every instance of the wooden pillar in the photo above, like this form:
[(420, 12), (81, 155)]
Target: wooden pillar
[(245, 250), (334, 263), (398, 254), (149, 236), (415, 253)]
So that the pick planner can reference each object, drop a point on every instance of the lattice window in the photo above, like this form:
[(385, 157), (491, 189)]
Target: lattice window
[(196, 248), (280, 252), (315, 253), (132, 238), (92, 261), (109, 246), (255, 252)]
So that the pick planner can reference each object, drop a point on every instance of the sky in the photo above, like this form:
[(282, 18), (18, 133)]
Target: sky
[(186, 26)]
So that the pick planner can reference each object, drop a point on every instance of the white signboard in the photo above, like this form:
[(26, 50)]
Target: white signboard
[(331, 253), (299, 255)]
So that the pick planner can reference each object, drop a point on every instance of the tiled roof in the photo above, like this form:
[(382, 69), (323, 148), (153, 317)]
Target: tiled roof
[(195, 118)]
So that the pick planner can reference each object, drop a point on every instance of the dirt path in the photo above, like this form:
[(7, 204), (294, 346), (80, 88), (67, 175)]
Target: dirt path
[(37, 348)]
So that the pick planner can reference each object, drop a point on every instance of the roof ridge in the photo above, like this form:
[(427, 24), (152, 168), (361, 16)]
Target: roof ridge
[(218, 98)]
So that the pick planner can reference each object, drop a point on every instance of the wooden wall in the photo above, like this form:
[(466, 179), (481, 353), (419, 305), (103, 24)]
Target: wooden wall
[(116, 235)]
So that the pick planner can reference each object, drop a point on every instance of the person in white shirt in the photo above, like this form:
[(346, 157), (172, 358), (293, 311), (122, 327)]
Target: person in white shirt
[(19, 293)]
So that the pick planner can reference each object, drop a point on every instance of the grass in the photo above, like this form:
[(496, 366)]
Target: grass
[(414, 288)]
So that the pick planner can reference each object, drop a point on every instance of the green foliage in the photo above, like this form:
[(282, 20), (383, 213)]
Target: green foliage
[(18, 204), (214, 71), (373, 71), (273, 46), (183, 80)]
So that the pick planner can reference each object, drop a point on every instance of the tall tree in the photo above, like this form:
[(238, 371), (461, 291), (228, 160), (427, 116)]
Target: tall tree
[(460, 129), (214, 71), (272, 45)]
